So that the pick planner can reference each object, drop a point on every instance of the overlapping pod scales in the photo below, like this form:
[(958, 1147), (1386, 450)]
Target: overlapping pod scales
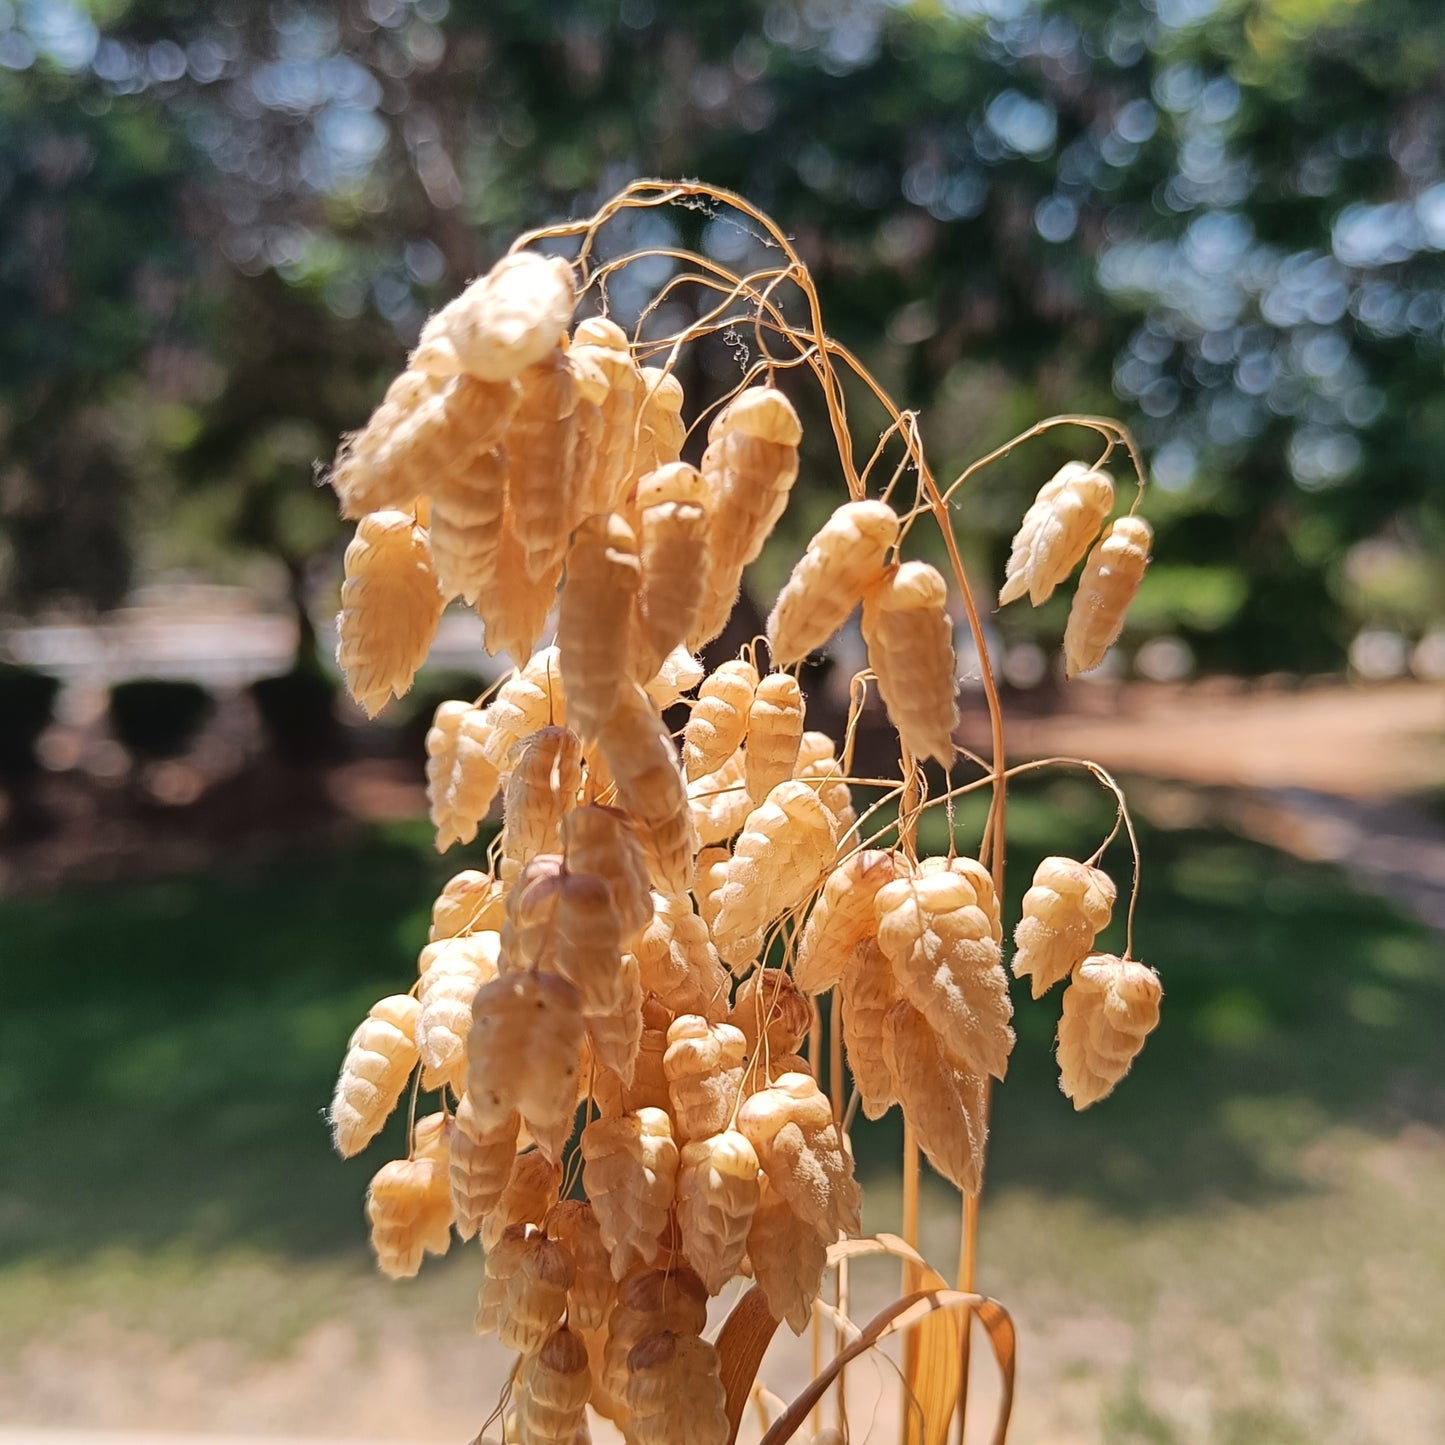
[(601, 840), (672, 503), (512, 604), (529, 928), (536, 1294), (844, 559), (675, 1393), (431, 1139), (376, 468), (530, 1192), (819, 767), (678, 673), (573, 1223), (648, 1302), (842, 917), (630, 1173), (479, 1166), (704, 1068), (1056, 531), (650, 788), (719, 720), (868, 991), (460, 781), (718, 803), (504, 1259), (790, 1125), (552, 1391), (788, 1256), (542, 464), (677, 961), (1068, 904), (979, 878), (398, 1209), (471, 902), (717, 1194), (603, 348), (546, 775), (660, 428), (712, 877), (451, 973), (380, 1056), (648, 1089), (1107, 586), (786, 846), (532, 697), (945, 1102), (941, 946), (522, 1054), (616, 1031), (768, 1006), (910, 649), (390, 607), (775, 731), (1110, 1007), (594, 625), (589, 945), (466, 524)]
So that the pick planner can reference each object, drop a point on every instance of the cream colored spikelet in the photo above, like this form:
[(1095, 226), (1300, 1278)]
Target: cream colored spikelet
[(465, 529), (431, 1140), (514, 605), (648, 1302), (788, 1256), (1067, 906), (704, 1068), (712, 877), (775, 731), (677, 960), (718, 803), (719, 720), (542, 477), (868, 991), (602, 347), (594, 624), (503, 1260), (589, 944), (1107, 586), (768, 1007), (661, 430), (979, 879), (630, 1173), (536, 1294), (462, 781), (1110, 1007), (531, 698), (546, 776), (390, 607), (479, 1167), (648, 1089), (529, 928), (819, 767), (573, 1223), (401, 1210), (717, 1194), (552, 1391), (472, 901), (673, 547), (616, 1030), (910, 649), (675, 1393), (601, 840), (844, 559), (842, 917), (380, 1056), (452, 972), (531, 1190), (376, 469), (1056, 531), (678, 673)]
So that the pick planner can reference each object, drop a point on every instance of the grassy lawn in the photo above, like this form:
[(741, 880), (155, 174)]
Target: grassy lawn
[(1242, 1245)]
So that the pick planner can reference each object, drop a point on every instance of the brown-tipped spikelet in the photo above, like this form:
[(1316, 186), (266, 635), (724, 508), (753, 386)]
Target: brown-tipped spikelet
[(552, 1391), (675, 1393), (788, 1256), (910, 649), (718, 803), (842, 917), (1110, 1007), (573, 1224), (719, 720), (769, 1007), (471, 902), (717, 1194), (1056, 531), (843, 560), (678, 962), (775, 730), (380, 1056), (401, 1206), (546, 775), (536, 1294), (704, 1067), (672, 503), (460, 780), (594, 624), (390, 607), (601, 841), (1107, 586), (531, 1190), (630, 1172), (466, 524), (1067, 906), (480, 1166), (661, 430), (648, 1302), (451, 973), (868, 991)]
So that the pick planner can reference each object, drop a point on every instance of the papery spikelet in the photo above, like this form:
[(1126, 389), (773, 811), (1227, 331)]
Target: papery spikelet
[(910, 649), (542, 476), (601, 841), (1110, 1008), (629, 1173), (594, 624), (380, 1056), (941, 946), (818, 766), (1107, 586), (868, 991), (648, 1302), (844, 559), (1056, 531), (529, 928), (530, 698), (661, 430), (678, 673), (718, 803), (504, 1259), (704, 1067), (717, 1193), (466, 525), (512, 604), (552, 1390), (775, 730), (471, 902), (712, 877), (648, 1089), (460, 780), (480, 1166), (530, 1192), (546, 775), (788, 1256), (719, 720), (589, 945), (675, 1393), (390, 607), (400, 1206), (677, 961), (979, 879), (768, 1006), (946, 1103), (672, 504), (1068, 904), (451, 973), (602, 348), (536, 1294), (616, 1031), (573, 1223), (842, 917), (431, 1139)]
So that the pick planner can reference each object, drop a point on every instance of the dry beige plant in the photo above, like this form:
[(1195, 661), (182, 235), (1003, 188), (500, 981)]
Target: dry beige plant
[(638, 1100)]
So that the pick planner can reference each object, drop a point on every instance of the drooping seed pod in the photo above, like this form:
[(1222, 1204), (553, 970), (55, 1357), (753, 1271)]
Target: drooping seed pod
[(842, 917), (530, 698), (1067, 906), (1056, 531), (844, 559), (769, 1007), (400, 1207), (818, 766), (788, 1256), (1107, 586), (979, 879), (451, 973), (431, 1139), (594, 626), (461, 779), (471, 902), (536, 1294), (522, 1055), (630, 1173), (573, 1223), (678, 673), (552, 1390), (945, 1102), (504, 1259), (546, 776), (672, 504), (648, 1089), (589, 947), (480, 1166), (390, 607), (531, 1190), (601, 841), (910, 649), (943, 952), (513, 605), (712, 877), (529, 928), (466, 524), (661, 431), (718, 803), (719, 720), (677, 961), (648, 1302), (542, 475), (704, 1067), (380, 1056), (775, 729), (717, 1194), (616, 1031), (868, 991), (675, 1393), (790, 1125), (1110, 1007), (785, 848), (615, 387)]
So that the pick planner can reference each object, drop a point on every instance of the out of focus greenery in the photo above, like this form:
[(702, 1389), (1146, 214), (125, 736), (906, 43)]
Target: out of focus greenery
[(221, 224)]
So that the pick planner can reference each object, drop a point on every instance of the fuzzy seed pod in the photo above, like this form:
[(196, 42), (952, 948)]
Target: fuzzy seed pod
[(512, 604), (1107, 586), (616, 1031), (704, 1067), (869, 990), (648, 1302), (390, 607), (530, 699), (819, 767), (945, 1102), (536, 1294), (719, 720), (377, 468), (675, 1393), (842, 917), (717, 1193), (672, 503), (380, 1056), (661, 431), (401, 1208), (616, 388), (466, 524), (979, 879), (941, 946), (775, 729), (712, 877), (1067, 906), (601, 841), (910, 648), (531, 1190), (546, 776), (594, 625), (677, 961), (843, 560), (629, 1173), (718, 803), (470, 903), (679, 673), (552, 1391), (790, 1124), (461, 779), (768, 1006), (480, 1166), (1056, 531), (522, 1053), (788, 1256), (451, 973), (573, 1223), (504, 1259), (1110, 1008)]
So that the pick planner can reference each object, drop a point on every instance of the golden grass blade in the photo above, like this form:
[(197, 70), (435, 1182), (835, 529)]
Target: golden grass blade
[(741, 1344)]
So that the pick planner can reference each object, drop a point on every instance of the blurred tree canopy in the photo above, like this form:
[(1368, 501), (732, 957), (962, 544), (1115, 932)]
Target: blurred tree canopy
[(1222, 220)]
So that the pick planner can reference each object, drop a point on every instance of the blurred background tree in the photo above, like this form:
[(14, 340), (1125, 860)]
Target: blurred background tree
[(220, 225)]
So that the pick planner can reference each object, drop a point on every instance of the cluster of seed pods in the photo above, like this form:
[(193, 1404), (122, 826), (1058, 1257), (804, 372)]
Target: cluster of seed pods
[(593, 1005)]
